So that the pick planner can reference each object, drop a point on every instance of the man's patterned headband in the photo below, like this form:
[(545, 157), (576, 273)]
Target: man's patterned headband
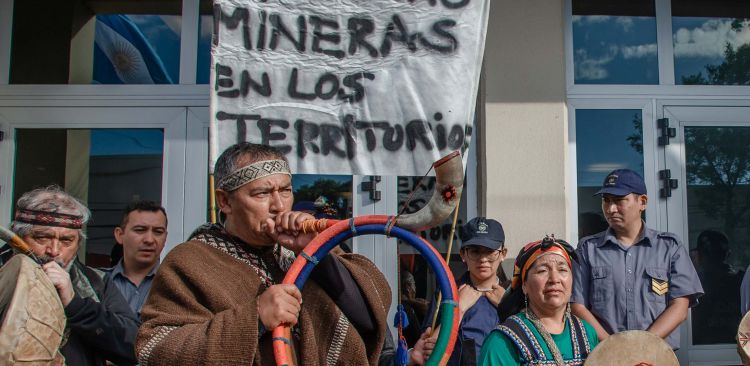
[(249, 173), (45, 218)]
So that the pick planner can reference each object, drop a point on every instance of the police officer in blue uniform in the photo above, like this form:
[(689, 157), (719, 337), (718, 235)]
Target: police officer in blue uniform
[(630, 276)]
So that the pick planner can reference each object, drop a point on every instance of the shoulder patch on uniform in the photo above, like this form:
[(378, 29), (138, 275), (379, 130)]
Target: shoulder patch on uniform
[(594, 236), (592, 239), (667, 235)]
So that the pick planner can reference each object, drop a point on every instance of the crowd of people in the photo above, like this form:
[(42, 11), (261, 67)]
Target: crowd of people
[(214, 299)]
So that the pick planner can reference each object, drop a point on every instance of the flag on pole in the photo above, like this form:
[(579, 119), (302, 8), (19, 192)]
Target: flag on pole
[(123, 55)]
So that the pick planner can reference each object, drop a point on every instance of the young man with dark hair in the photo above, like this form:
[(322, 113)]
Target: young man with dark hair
[(142, 234), (631, 277)]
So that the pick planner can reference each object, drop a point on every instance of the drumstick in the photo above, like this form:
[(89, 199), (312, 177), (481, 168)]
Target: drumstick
[(17, 243)]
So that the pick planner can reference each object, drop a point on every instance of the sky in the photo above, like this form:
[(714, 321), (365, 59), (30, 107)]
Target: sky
[(623, 49), (607, 49), (601, 143), (615, 50)]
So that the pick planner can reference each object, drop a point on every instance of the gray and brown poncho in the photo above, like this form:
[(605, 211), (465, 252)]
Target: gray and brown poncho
[(202, 308)]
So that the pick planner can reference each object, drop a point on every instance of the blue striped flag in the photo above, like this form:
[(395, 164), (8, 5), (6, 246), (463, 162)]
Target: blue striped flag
[(123, 55)]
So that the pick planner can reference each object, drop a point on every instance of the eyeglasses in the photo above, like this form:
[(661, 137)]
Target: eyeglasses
[(476, 254)]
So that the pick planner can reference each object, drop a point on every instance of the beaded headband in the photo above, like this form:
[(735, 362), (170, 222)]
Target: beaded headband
[(532, 251), (249, 173), (45, 218)]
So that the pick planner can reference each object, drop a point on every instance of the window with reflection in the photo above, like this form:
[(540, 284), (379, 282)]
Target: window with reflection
[(105, 168), (323, 196), (606, 139), (711, 42), (96, 41), (615, 42), (717, 161), (137, 49)]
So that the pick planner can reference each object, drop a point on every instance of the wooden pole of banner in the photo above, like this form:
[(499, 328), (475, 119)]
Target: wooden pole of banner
[(212, 198), (447, 262)]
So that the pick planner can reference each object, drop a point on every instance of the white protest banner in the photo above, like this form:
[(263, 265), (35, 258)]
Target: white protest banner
[(347, 86)]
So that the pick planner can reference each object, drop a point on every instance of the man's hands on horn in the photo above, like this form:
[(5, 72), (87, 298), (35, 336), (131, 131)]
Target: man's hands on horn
[(61, 280), (423, 348), (286, 229), (279, 304), (495, 295)]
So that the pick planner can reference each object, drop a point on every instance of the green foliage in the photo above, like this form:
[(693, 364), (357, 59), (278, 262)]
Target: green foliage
[(734, 70), (718, 159), (636, 139), (718, 164), (738, 24)]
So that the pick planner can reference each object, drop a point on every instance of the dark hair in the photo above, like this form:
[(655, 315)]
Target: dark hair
[(148, 206), (713, 246), (227, 162), (115, 255), (590, 223), (504, 281), (513, 300)]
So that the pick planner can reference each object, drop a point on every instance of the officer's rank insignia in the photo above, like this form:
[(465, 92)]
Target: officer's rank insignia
[(659, 287)]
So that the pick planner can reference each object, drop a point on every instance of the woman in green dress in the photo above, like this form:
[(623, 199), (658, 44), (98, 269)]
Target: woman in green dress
[(536, 326)]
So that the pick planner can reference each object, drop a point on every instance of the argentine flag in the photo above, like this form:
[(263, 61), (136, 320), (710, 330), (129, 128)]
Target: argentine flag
[(123, 55)]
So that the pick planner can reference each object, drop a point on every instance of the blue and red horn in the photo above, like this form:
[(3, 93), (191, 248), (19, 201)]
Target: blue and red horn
[(449, 183)]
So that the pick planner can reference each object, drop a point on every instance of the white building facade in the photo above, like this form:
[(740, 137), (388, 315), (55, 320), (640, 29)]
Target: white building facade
[(570, 90)]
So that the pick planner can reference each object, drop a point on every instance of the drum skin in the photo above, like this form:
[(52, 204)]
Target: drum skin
[(33, 318), (632, 348), (743, 339)]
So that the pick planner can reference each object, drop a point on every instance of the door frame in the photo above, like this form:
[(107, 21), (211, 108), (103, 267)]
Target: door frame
[(683, 114), (655, 215), (170, 119)]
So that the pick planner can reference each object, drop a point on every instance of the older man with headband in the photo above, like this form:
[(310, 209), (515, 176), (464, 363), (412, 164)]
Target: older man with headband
[(217, 296), (100, 325)]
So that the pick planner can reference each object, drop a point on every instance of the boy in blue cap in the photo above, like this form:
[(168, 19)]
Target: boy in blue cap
[(630, 276), (479, 289)]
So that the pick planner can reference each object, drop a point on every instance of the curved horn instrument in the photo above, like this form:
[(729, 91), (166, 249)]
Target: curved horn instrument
[(449, 183), (17, 243)]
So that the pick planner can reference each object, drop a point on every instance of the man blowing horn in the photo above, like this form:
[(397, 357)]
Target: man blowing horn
[(100, 325), (217, 297)]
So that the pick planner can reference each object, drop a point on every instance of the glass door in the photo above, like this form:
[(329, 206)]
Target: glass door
[(710, 210), (107, 157)]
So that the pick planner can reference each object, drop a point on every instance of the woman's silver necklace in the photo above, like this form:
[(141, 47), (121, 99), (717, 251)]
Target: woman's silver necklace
[(497, 282), (547, 337)]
